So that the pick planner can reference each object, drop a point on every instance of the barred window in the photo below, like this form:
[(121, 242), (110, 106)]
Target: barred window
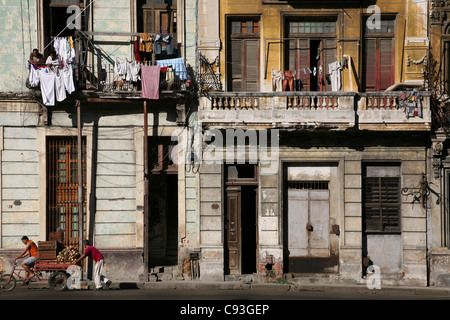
[(382, 204)]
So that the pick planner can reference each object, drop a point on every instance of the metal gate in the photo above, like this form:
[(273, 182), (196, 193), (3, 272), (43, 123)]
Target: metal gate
[(308, 219)]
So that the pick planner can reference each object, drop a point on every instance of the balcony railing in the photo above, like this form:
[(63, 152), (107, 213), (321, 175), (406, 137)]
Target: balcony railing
[(108, 81), (333, 110), (327, 109), (385, 111)]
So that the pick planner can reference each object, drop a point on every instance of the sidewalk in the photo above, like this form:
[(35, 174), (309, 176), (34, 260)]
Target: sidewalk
[(239, 285)]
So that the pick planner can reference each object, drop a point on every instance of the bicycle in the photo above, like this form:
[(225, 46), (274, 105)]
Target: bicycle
[(56, 281), (8, 281)]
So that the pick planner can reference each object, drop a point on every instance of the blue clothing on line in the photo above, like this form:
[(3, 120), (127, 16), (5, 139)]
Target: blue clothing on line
[(178, 67)]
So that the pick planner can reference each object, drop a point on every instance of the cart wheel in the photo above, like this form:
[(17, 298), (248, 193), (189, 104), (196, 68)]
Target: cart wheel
[(7, 282), (58, 281)]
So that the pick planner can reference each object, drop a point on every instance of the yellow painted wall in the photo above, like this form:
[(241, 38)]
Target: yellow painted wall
[(410, 28)]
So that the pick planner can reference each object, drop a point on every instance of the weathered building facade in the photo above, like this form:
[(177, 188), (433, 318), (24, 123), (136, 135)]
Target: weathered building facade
[(352, 160), (341, 170), (136, 196), (438, 76)]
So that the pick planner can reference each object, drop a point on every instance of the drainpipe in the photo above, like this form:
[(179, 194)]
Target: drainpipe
[(80, 181), (146, 189)]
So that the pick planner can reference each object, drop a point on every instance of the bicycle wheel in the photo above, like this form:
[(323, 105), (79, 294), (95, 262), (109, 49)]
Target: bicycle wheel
[(58, 281), (7, 282)]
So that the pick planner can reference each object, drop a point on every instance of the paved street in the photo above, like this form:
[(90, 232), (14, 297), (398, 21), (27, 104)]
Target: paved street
[(207, 294), (216, 303)]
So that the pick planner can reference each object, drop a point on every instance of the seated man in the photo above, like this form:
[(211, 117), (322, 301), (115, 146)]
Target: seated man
[(34, 56), (31, 250), (52, 60)]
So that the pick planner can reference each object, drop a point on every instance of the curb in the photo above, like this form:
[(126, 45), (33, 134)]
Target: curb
[(226, 285)]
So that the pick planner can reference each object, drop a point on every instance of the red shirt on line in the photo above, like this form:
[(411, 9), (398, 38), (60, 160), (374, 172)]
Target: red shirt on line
[(93, 253)]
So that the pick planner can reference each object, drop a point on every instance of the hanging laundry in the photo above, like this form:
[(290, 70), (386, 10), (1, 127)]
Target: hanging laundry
[(67, 76), (121, 68), (335, 75), (145, 42), (411, 103), (34, 76), (170, 77), (163, 39), (150, 76), (133, 70), (178, 66), (288, 78), (60, 89), (277, 80), (137, 52), (47, 81)]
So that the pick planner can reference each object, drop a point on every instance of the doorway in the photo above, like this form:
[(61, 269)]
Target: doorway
[(241, 236), (163, 204)]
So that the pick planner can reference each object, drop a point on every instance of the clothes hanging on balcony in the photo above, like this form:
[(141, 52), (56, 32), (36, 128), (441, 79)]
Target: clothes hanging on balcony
[(150, 77), (288, 79), (277, 80), (67, 76), (170, 77), (145, 42), (335, 75), (165, 39), (127, 70), (54, 84), (64, 49), (60, 90), (411, 103), (121, 67), (47, 81), (137, 52), (133, 71), (180, 72), (34, 76)]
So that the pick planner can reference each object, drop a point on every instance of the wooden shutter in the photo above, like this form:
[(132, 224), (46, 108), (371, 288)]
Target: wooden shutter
[(382, 204), (235, 65), (251, 65), (303, 62), (386, 67), (371, 66), (330, 57)]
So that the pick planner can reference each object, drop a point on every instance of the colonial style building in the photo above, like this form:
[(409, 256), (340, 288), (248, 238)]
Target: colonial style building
[(126, 166), (295, 139), (341, 84)]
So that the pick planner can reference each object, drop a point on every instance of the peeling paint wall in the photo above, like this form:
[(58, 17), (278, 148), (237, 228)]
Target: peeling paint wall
[(18, 37)]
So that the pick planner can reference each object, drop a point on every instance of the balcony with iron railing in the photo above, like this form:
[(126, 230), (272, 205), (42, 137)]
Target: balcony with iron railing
[(95, 73), (312, 110)]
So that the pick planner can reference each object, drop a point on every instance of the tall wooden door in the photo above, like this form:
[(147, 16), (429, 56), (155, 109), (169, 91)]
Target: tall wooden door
[(241, 230), (244, 65), (233, 229), (243, 54)]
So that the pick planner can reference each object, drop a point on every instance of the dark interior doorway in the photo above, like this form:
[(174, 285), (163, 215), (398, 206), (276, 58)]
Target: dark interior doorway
[(163, 204)]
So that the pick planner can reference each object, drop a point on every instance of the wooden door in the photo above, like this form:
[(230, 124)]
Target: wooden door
[(233, 229), (379, 64), (244, 65)]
